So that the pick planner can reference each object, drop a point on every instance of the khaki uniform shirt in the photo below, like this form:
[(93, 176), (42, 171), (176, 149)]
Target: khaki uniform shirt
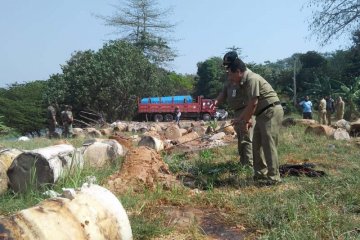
[(257, 86), (340, 106), (251, 85), (234, 95), (51, 113), (322, 105)]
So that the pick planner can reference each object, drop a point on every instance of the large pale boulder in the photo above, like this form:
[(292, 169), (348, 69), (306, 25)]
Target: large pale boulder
[(341, 134)]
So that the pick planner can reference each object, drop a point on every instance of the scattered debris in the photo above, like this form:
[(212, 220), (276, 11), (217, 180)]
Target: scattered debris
[(23, 138), (305, 169)]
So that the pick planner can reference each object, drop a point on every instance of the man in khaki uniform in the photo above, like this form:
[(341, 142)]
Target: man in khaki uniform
[(67, 120), (51, 119), (322, 111), (234, 95), (260, 100), (340, 109)]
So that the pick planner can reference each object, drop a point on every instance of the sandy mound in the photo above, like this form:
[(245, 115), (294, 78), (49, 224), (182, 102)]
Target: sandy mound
[(143, 167)]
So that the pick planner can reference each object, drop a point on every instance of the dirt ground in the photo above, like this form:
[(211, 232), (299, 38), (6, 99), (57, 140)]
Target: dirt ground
[(144, 167)]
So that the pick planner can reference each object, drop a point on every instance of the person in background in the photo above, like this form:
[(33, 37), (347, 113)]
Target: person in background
[(322, 111), (51, 119), (67, 120), (330, 109), (340, 109), (306, 105), (260, 100), (177, 115)]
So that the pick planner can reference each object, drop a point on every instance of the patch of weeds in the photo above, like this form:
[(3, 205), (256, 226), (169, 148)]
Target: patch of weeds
[(206, 154), (209, 174), (213, 124), (177, 163), (11, 202), (146, 227), (78, 175)]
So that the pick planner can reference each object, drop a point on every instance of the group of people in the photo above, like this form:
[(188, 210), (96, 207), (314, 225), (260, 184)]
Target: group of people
[(327, 106), (257, 120), (66, 119)]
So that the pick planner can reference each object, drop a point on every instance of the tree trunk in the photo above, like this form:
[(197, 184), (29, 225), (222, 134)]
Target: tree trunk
[(91, 213), (42, 166), (7, 156), (99, 152), (152, 142), (321, 130)]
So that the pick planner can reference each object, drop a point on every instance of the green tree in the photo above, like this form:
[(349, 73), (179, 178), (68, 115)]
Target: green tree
[(312, 72), (142, 23), (333, 18), (352, 68), (3, 129), (182, 84), (23, 108), (210, 78), (108, 81), (351, 95)]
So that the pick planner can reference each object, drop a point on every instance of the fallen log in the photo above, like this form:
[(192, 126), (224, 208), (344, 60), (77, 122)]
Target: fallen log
[(41, 166), (91, 213), (173, 132), (188, 137), (99, 152), (152, 142), (293, 121), (355, 129), (320, 130), (7, 156)]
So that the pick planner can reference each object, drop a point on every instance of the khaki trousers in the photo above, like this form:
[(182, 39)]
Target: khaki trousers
[(245, 142), (328, 118), (322, 117), (265, 141), (339, 115)]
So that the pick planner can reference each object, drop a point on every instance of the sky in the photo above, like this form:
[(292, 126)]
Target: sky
[(39, 36)]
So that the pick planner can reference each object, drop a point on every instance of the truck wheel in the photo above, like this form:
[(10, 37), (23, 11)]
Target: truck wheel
[(158, 117), (168, 117), (206, 117)]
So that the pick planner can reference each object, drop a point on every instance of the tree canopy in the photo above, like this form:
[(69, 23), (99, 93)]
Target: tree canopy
[(142, 23), (108, 81), (22, 107), (332, 18)]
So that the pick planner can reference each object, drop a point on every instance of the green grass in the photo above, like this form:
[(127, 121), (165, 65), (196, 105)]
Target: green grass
[(299, 208)]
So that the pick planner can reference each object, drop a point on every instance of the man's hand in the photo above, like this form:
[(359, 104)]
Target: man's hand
[(249, 125), (244, 126), (215, 102)]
